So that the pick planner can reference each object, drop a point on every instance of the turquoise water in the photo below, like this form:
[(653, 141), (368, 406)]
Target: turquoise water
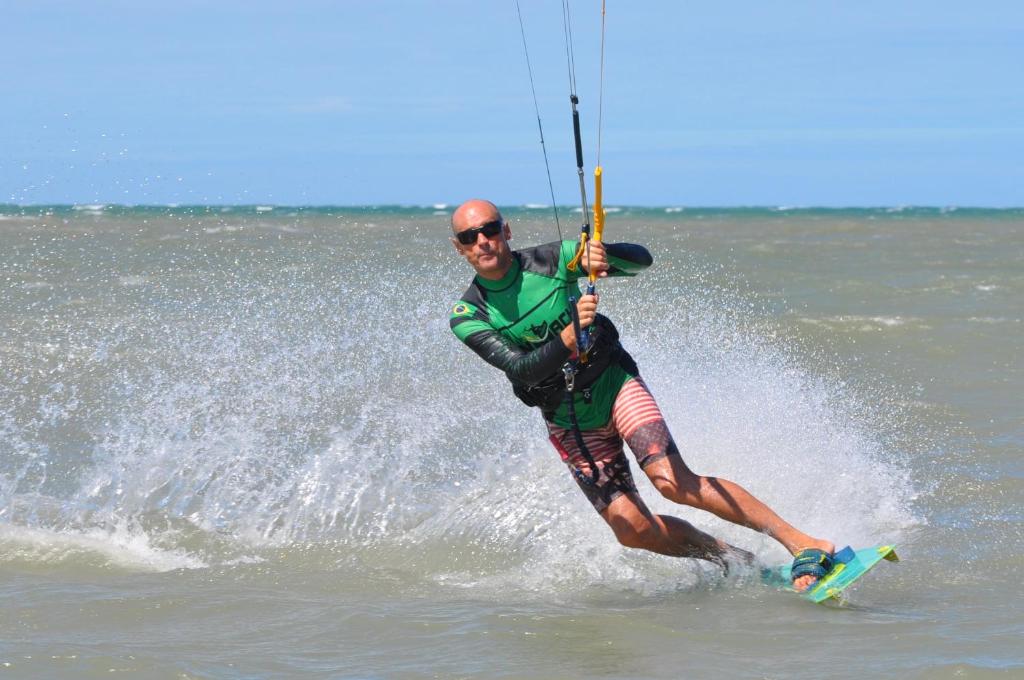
[(241, 442), (542, 212)]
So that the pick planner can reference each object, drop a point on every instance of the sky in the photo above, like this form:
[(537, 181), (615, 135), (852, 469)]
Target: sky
[(418, 103)]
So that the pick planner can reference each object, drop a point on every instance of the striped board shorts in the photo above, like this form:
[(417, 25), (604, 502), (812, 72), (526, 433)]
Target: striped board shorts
[(636, 420)]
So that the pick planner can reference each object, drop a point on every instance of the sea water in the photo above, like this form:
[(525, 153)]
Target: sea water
[(242, 442)]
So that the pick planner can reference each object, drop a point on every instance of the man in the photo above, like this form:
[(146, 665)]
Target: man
[(516, 316)]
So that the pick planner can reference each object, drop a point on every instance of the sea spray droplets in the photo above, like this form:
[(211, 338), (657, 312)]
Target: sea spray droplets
[(748, 406), (240, 423), (305, 391)]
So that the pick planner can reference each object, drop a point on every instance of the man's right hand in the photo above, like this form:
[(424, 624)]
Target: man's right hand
[(587, 310)]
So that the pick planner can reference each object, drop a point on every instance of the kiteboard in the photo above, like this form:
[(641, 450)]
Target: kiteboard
[(847, 567)]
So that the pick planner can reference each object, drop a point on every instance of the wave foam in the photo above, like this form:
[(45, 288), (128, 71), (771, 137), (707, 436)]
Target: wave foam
[(119, 548)]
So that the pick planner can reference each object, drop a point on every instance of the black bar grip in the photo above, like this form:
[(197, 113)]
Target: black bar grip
[(579, 142)]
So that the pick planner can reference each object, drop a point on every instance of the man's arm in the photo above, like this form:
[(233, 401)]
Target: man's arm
[(524, 366), (616, 259), (528, 367)]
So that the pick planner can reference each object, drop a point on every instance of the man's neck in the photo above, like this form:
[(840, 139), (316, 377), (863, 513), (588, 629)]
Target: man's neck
[(494, 276)]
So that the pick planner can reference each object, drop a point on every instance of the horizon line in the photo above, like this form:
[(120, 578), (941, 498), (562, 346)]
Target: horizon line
[(268, 206)]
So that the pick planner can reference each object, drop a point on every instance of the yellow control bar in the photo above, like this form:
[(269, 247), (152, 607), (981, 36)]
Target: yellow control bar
[(598, 212)]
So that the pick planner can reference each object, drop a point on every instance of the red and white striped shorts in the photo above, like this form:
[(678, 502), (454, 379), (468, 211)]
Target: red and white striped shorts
[(637, 421)]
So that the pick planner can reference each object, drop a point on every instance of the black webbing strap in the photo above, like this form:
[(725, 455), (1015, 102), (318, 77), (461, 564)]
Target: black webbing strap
[(570, 369), (595, 472)]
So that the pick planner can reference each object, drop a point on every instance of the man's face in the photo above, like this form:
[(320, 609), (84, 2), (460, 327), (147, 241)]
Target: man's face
[(490, 256)]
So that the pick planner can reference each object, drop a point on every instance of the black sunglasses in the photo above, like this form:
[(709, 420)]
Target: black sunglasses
[(489, 229)]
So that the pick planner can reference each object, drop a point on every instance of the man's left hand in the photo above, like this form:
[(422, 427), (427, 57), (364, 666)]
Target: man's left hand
[(595, 259)]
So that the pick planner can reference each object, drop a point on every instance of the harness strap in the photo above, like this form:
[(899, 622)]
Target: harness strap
[(570, 406), (570, 369)]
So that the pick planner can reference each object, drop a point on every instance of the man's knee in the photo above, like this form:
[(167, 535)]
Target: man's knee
[(677, 483), (667, 486), (634, 531)]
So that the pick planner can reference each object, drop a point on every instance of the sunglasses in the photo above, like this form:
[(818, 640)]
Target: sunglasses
[(490, 230)]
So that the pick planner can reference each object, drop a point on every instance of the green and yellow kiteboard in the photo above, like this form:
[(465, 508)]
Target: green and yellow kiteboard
[(848, 566)]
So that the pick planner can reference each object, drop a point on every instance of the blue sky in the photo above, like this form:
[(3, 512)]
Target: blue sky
[(355, 103)]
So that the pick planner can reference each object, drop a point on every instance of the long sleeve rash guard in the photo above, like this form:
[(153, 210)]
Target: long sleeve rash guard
[(514, 323)]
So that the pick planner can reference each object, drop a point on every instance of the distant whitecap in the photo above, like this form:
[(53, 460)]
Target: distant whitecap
[(992, 319)]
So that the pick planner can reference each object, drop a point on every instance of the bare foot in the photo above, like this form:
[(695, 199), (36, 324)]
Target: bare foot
[(806, 582)]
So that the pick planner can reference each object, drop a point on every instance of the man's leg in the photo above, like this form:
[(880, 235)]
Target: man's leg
[(727, 500), (613, 494), (732, 503), (637, 527), (639, 421)]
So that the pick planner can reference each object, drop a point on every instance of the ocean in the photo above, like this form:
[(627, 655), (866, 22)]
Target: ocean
[(241, 442)]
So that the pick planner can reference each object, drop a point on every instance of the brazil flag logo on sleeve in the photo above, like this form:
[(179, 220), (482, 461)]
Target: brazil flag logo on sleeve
[(462, 309)]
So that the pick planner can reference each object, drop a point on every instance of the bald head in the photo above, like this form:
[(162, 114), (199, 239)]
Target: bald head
[(486, 246), (474, 212)]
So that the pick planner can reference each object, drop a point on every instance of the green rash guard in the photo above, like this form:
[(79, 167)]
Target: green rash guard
[(515, 323)]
